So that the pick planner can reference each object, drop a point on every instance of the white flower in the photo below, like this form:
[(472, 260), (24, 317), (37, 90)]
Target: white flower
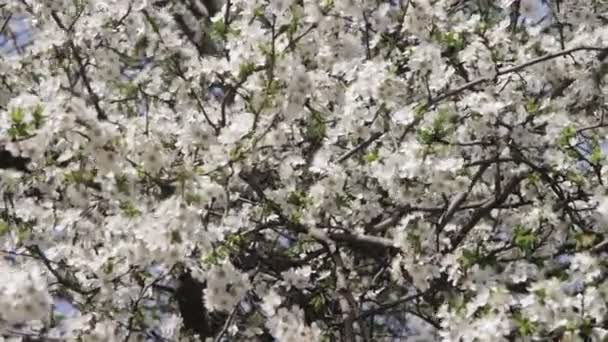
[(278, 7), (24, 295), (289, 325), (425, 57), (153, 158), (404, 116), (140, 5), (585, 265), (271, 301), (170, 326), (298, 278), (226, 286), (519, 272), (106, 330), (602, 210), (107, 161), (240, 125)]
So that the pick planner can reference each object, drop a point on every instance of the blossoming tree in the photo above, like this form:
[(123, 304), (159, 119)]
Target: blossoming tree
[(303, 170)]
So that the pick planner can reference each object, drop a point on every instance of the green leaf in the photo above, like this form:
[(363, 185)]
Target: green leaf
[(122, 184), (327, 337), (17, 116), (108, 267), (23, 232), (296, 217), (440, 128), (129, 209), (586, 327), (298, 199), (565, 135), (326, 5), (316, 129), (371, 156), (416, 242), (193, 198), (525, 327), (19, 128), (13, 133), (575, 177), (232, 243), (532, 106), (541, 294), (128, 89), (453, 40), (78, 4), (246, 69), (469, 258), (342, 201), (457, 303), (216, 256), (525, 239), (81, 176), (38, 117), (534, 178), (220, 27), (4, 228), (596, 154), (420, 110), (236, 153), (318, 303), (584, 240), (425, 136)]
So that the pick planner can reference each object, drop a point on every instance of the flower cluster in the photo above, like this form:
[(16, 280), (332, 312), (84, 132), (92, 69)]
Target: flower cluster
[(24, 296), (310, 170)]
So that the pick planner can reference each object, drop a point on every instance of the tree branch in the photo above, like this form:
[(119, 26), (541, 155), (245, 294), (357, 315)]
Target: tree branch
[(8, 161), (486, 208)]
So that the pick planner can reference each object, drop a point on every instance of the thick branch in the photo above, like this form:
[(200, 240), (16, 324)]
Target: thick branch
[(8, 161), (460, 199), (480, 213), (63, 280)]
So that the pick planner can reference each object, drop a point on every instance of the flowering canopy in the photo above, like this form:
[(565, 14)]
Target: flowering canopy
[(304, 170)]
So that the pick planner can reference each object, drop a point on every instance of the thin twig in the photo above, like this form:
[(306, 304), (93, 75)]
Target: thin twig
[(226, 324)]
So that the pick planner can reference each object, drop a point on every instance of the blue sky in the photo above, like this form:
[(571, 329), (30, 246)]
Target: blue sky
[(18, 25)]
